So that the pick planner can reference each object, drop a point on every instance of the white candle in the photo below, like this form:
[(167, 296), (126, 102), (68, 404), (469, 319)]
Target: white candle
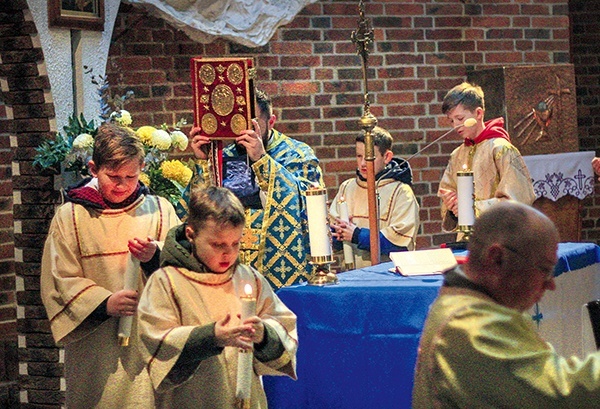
[(244, 369), (318, 226), (131, 278), (345, 216), (465, 192)]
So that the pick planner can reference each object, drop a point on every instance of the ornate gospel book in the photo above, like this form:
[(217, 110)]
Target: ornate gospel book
[(223, 95)]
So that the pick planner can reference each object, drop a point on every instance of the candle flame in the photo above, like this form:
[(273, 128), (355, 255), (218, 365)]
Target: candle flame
[(464, 167), (248, 290)]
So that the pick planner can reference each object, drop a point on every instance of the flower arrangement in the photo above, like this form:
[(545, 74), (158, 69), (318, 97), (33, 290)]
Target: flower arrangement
[(71, 149)]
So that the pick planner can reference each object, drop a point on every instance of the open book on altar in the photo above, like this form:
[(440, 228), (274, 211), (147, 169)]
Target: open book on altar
[(423, 262)]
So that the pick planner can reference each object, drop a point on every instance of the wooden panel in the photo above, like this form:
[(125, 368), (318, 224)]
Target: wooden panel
[(538, 105), (566, 215)]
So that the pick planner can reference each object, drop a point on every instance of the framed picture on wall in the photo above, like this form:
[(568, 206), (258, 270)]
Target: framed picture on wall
[(76, 14)]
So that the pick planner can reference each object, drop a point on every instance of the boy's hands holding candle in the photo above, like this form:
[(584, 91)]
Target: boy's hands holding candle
[(450, 200), (142, 249), (343, 230), (244, 336), (122, 303)]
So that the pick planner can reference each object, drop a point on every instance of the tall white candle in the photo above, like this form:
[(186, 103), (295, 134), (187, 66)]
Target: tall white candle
[(244, 369), (345, 216), (465, 192), (131, 279), (318, 226)]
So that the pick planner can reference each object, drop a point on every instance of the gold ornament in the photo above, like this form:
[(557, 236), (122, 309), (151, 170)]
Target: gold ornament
[(209, 123), (222, 100)]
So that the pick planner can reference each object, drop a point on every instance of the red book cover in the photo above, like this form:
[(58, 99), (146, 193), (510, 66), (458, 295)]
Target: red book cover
[(223, 95)]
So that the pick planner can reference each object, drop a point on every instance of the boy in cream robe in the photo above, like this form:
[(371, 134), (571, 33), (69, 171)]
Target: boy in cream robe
[(398, 207), (498, 169), (85, 257), (189, 313)]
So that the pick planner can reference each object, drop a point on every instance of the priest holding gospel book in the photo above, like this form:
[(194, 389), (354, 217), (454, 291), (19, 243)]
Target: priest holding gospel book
[(398, 207), (275, 239)]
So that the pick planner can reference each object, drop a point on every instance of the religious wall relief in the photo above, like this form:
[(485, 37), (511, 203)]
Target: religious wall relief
[(538, 105)]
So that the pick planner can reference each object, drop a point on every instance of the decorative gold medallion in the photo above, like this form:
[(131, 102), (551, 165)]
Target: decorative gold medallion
[(235, 74), (238, 124), (207, 74), (222, 100), (209, 123)]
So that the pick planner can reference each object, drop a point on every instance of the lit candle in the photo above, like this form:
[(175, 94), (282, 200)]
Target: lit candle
[(345, 216), (318, 226), (244, 369), (131, 277), (465, 192)]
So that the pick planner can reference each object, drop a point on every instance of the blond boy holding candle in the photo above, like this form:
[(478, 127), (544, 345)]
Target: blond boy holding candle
[(499, 171), (106, 218), (398, 207), (190, 313)]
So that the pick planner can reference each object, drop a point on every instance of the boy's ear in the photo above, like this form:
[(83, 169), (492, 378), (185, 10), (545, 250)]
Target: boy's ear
[(388, 156), (93, 168), (189, 232), (479, 113)]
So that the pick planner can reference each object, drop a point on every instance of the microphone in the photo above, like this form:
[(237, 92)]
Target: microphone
[(467, 124)]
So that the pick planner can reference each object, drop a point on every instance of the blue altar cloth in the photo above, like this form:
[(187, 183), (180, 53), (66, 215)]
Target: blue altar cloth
[(358, 339)]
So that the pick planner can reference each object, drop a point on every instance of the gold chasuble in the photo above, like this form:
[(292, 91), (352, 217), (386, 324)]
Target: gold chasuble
[(499, 173)]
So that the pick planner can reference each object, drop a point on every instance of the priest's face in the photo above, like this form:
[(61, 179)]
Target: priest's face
[(117, 184), (529, 274), (216, 245)]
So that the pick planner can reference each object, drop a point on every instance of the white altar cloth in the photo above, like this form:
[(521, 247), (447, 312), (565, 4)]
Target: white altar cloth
[(560, 174)]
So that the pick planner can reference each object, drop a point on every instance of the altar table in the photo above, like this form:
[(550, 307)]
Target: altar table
[(358, 339)]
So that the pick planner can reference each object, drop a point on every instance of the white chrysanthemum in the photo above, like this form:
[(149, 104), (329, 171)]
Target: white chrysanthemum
[(180, 141), (124, 118), (161, 140), (83, 141), (121, 117)]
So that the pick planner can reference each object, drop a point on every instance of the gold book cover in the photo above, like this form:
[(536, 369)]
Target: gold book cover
[(223, 95)]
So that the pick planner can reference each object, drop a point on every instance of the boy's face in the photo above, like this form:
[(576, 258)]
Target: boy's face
[(117, 184), (216, 245), (379, 162), (459, 114)]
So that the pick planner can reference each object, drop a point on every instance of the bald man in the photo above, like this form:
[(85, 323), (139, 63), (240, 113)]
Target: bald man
[(479, 348)]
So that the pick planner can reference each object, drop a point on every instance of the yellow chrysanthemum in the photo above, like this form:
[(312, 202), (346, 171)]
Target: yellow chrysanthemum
[(180, 141), (145, 133), (145, 179), (177, 171), (161, 140)]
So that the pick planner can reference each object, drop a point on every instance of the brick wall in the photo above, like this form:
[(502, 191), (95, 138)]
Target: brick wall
[(586, 58), (26, 93), (8, 323), (311, 69)]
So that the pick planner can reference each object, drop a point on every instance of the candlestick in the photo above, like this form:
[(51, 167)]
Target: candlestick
[(348, 252), (319, 233), (245, 358), (131, 277), (465, 192)]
